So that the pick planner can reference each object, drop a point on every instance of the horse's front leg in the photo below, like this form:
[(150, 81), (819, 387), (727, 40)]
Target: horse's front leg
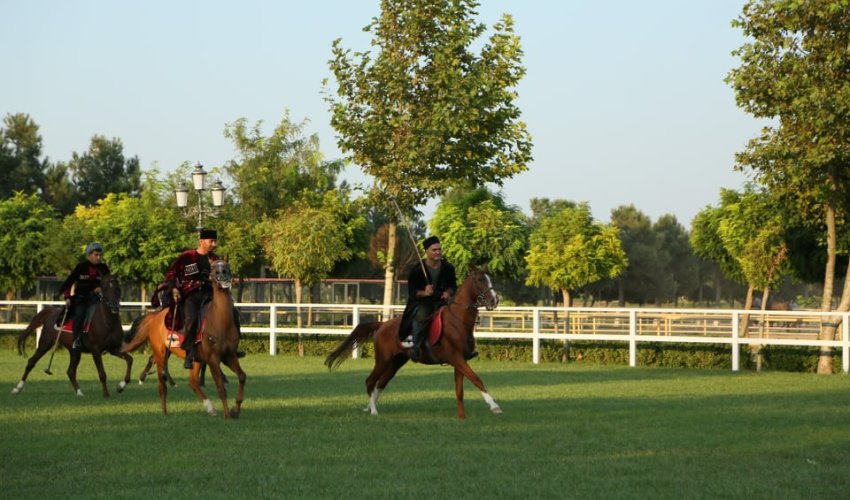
[(97, 356), (72, 371), (215, 370), (194, 383), (233, 363), (466, 370)]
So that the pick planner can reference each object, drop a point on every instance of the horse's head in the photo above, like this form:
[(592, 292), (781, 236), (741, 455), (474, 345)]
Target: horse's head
[(220, 274), (482, 289), (111, 291)]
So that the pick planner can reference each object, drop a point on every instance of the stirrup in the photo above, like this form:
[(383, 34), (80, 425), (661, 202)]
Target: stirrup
[(407, 343)]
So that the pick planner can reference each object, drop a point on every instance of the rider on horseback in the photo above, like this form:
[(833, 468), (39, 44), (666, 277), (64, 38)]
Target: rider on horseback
[(188, 277), (426, 292), (85, 282)]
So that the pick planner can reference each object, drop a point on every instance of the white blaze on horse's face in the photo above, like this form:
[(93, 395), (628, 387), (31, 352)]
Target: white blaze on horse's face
[(492, 299), (221, 274)]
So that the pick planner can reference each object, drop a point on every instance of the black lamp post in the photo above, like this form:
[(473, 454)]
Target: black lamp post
[(198, 177)]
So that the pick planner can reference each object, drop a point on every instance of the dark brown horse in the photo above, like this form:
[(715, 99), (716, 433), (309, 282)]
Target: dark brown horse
[(453, 347), (219, 342), (104, 335)]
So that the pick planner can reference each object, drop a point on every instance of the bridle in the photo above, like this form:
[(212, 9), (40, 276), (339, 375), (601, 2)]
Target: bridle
[(481, 298), (111, 298), (221, 274)]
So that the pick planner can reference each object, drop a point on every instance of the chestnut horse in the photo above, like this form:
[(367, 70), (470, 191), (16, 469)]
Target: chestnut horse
[(218, 336), (104, 335), (454, 346)]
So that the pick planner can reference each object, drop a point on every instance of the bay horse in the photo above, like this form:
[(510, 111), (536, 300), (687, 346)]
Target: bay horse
[(219, 340), (104, 335), (454, 346)]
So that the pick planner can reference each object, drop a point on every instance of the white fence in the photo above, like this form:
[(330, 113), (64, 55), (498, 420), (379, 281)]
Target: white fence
[(626, 325)]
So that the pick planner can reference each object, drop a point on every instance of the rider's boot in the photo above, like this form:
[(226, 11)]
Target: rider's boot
[(78, 342), (190, 357), (418, 329)]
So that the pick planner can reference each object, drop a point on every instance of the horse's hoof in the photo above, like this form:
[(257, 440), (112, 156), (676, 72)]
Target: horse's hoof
[(80, 393), (121, 386), (497, 411), (234, 413), (15, 390), (141, 382)]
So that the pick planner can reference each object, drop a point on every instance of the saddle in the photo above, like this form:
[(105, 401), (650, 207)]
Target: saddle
[(175, 323), (68, 326)]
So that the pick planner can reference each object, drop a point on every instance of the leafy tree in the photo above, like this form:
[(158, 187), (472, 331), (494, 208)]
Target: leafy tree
[(795, 71), (477, 227), (20, 150), (26, 226), (58, 190), (103, 169), (675, 253), (641, 279), (568, 250), (304, 242), (141, 235), (274, 172), (426, 113)]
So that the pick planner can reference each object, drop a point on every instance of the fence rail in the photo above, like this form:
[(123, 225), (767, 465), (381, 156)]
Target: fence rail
[(628, 325)]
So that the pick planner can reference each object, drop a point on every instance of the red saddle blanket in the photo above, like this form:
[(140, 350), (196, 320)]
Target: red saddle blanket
[(436, 329)]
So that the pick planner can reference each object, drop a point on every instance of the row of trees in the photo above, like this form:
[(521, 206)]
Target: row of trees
[(426, 116)]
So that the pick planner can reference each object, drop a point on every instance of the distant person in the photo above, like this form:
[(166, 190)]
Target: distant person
[(82, 288), (189, 279), (426, 291)]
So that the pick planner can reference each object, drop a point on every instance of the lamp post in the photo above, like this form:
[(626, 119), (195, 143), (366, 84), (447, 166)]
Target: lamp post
[(198, 177)]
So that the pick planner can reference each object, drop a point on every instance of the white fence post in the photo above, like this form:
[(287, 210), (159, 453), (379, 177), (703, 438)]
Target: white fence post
[(736, 342), (535, 337), (273, 330), (632, 338), (355, 320)]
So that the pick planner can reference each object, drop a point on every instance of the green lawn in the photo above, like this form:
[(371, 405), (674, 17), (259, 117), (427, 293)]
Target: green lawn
[(567, 432)]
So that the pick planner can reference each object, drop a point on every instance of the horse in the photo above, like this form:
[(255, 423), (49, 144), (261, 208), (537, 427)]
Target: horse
[(104, 335), (219, 340), (453, 347)]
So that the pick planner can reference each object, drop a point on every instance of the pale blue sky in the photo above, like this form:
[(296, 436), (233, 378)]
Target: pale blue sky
[(625, 100)]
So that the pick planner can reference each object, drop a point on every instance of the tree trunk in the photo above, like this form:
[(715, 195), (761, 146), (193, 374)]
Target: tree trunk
[(565, 355), (744, 326), (621, 292), (827, 330), (389, 269), (298, 322), (765, 296)]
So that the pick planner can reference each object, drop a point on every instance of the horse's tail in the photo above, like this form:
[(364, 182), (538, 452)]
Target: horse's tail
[(136, 336), (358, 336), (38, 321)]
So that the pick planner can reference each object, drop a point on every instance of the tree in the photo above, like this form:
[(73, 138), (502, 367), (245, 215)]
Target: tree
[(141, 235), (477, 227), (274, 172), (21, 168), (27, 224), (675, 253), (568, 250), (795, 71), (641, 279), (103, 169), (305, 242), (426, 113)]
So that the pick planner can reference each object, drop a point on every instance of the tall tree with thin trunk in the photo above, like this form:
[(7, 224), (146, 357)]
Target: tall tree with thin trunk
[(795, 71), (423, 112)]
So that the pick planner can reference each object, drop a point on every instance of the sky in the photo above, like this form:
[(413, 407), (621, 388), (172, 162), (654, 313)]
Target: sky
[(625, 100)]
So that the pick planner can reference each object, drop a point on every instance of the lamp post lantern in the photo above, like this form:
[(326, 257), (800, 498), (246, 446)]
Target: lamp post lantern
[(181, 192)]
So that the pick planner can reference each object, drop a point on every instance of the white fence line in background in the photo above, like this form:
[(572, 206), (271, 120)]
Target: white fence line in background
[(629, 325)]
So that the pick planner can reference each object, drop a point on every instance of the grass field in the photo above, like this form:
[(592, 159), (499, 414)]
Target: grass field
[(567, 432)]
